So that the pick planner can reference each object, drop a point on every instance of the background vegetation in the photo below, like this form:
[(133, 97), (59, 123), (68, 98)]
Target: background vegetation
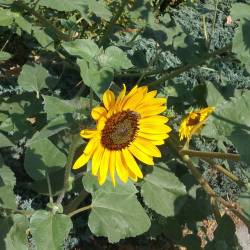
[(57, 57)]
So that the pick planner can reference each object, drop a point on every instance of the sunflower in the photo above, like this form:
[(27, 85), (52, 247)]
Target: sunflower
[(127, 127), (193, 122)]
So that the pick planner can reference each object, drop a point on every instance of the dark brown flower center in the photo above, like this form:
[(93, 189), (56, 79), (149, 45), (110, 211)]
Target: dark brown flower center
[(193, 119), (120, 130)]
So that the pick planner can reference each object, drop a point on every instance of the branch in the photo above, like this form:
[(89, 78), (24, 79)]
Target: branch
[(77, 211)]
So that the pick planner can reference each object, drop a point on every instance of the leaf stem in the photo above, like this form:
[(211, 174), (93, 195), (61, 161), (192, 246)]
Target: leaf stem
[(79, 210), (204, 154), (105, 37), (43, 21)]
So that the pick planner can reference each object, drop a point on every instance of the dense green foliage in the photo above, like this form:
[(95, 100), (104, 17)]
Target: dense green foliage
[(57, 57)]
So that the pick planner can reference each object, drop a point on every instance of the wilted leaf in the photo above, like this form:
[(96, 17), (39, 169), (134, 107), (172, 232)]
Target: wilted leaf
[(54, 227)]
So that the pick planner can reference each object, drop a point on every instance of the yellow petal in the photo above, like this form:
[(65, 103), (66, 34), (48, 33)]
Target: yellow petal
[(147, 147), (154, 128), (98, 112), (120, 96), (157, 119), (112, 166), (132, 176), (101, 123), (133, 101), (154, 137), (108, 99), (88, 133), (131, 163), (121, 169), (91, 146), (150, 110), (81, 161), (160, 142), (140, 155), (96, 160), (104, 166)]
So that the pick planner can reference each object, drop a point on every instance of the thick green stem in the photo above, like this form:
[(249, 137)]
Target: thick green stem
[(82, 209), (210, 155), (224, 171), (113, 22), (68, 166)]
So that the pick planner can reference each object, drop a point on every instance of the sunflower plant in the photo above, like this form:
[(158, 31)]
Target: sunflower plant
[(126, 120)]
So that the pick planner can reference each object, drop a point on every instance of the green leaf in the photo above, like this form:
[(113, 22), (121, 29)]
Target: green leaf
[(83, 48), (244, 201), (99, 79), (213, 95), (7, 17), (17, 236), (7, 183), (5, 142), (115, 211), (163, 192), (42, 157), (232, 119), (114, 58), (54, 227), (241, 41), (33, 78), (4, 55), (5, 226), (55, 126), (55, 106)]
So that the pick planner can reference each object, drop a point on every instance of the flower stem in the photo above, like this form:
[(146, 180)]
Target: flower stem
[(204, 154), (79, 210), (225, 172), (71, 153)]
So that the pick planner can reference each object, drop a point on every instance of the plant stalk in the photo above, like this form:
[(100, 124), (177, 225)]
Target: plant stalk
[(204, 154), (79, 210)]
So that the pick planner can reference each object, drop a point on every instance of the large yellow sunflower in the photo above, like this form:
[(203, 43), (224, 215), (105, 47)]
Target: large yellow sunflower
[(193, 122), (127, 127)]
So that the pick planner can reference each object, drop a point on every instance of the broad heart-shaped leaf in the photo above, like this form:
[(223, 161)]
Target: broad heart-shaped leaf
[(7, 183), (33, 78), (6, 17), (4, 56), (49, 231), (99, 79), (55, 106), (224, 235), (244, 201), (17, 236), (4, 141), (232, 119), (42, 157), (241, 41), (163, 192), (114, 58), (5, 225), (213, 96), (115, 211), (83, 48), (56, 125)]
